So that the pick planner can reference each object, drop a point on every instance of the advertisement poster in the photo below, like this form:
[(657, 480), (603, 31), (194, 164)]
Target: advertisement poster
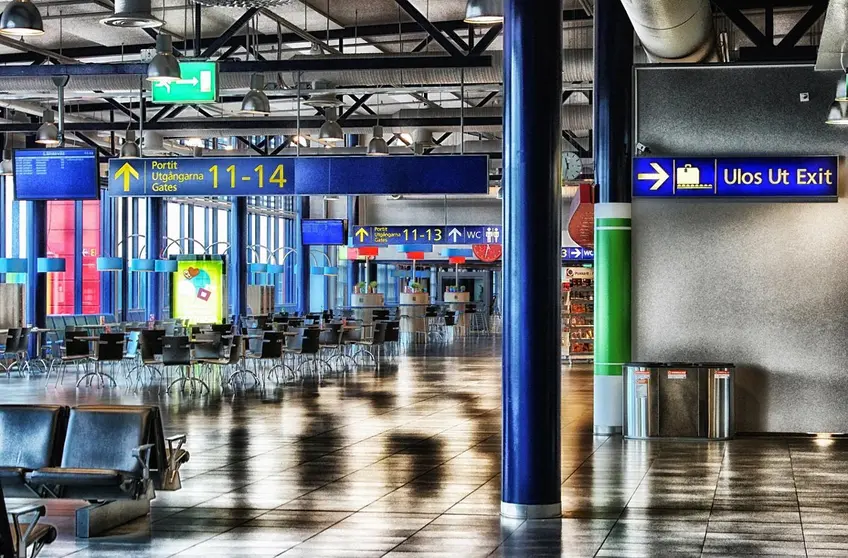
[(197, 290)]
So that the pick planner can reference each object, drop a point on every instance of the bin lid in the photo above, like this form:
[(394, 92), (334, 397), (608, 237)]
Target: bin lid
[(679, 365), (715, 365), (643, 364)]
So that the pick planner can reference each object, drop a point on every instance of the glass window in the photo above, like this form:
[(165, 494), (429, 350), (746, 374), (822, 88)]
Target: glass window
[(90, 251), (60, 239)]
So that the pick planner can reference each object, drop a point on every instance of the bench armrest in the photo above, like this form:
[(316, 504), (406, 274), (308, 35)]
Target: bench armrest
[(175, 443), (16, 514), (142, 454)]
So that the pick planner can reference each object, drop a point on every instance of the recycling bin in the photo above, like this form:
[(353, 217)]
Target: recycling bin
[(678, 400), (640, 396)]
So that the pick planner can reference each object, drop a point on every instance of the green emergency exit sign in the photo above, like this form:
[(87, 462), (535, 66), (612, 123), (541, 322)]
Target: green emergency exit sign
[(198, 83)]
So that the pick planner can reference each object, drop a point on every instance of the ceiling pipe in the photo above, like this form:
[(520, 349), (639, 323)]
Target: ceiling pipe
[(674, 30)]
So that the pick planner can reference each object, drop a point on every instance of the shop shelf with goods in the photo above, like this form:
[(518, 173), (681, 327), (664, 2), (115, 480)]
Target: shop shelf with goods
[(578, 314)]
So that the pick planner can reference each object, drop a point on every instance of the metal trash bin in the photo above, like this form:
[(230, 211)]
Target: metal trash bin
[(720, 378), (678, 400), (640, 412)]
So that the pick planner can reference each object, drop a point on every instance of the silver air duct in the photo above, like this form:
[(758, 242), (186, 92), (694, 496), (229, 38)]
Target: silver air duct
[(674, 30), (132, 13)]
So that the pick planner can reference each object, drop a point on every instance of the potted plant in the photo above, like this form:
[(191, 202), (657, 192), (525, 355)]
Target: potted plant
[(360, 288), (372, 287), (414, 286)]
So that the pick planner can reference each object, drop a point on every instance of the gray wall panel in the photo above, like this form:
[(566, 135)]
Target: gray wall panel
[(764, 285)]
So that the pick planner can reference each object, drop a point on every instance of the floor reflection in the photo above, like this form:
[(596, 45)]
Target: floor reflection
[(406, 461)]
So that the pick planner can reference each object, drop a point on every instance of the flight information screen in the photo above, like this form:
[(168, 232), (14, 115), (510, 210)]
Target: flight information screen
[(328, 232), (56, 174)]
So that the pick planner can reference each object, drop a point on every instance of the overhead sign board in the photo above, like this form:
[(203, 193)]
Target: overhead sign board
[(198, 83), (253, 176), (777, 178), (577, 253), (434, 234)]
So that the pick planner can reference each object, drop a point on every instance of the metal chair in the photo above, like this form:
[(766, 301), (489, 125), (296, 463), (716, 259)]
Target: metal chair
[(108, 349), (176, 352), (76, 351), (270, 350), (375, 343)]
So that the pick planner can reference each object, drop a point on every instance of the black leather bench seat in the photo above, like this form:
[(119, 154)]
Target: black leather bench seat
[(70, 476)]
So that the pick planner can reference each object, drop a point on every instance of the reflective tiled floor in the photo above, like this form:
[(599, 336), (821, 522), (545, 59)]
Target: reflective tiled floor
[(405, 462)]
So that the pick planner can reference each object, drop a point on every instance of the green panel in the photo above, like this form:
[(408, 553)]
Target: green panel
[(198, 84), (612, 297), (612, 222)]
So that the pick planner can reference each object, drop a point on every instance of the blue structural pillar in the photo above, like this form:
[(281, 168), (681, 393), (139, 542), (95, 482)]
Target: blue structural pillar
[(155, 243), (613, 105), (303, 262), (237, 265), (125, 257), (36, 283), (532, 217), (107, 249)]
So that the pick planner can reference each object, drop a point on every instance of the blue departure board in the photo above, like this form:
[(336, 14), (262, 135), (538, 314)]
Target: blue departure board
[(328, 232), (56, 174)]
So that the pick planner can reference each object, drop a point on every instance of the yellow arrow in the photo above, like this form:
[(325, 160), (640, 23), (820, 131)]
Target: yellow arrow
[(361, 233), (125, 171)]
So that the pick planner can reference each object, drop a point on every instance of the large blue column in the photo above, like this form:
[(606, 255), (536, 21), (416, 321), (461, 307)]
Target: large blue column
[(124, 278), (107, 249), (36, 284), (530, 485), (303, 263), (237, 265), (155, 243)]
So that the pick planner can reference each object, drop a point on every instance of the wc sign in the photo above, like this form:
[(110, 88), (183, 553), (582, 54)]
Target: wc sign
[(484, 234)]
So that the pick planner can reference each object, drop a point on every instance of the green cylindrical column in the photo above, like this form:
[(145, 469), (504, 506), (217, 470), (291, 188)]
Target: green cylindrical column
[(612, 311)]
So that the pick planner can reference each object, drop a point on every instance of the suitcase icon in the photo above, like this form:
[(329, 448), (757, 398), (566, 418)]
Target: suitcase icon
[(688, 175)]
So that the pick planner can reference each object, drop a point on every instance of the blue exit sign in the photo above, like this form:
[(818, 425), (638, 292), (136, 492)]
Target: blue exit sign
[(771, 178)]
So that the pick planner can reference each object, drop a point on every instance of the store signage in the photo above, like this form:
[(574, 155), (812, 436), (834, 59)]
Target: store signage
[(577, 253), (435, 234), (255, 176), (198, 83), (776, 178)]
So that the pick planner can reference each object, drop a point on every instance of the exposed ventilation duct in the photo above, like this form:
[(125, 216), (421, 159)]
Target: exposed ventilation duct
[(574, 116), (577, 67), (674, 30), (832, 48)]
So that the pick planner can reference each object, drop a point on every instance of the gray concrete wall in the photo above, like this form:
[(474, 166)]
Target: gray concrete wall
[(764, 285)]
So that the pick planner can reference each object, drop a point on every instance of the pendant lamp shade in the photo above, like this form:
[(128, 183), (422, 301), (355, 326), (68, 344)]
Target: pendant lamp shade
[(484, 12), (6, 163), (256, 101), (838, 114), (47, 134), (164, 67), (21, 18), (331, 132), (130, 148), (377, 145)]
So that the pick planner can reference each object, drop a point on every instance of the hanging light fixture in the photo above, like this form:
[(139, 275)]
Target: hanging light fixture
[(6, 164), (842, 88), (378, 145), (331, 131), (21, 18), (164, 67), (484, 12), (47, 134), (256, 101), (130, 148), (838, 113), (132, 14)]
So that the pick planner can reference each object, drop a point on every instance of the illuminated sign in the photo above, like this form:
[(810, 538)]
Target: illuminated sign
[(197, 290), (198, 83), (256, 176), (577, 253), (435, 234), (787, 178), (323, 232)]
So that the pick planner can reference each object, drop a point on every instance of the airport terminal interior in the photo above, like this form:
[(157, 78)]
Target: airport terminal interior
[(436, 278)]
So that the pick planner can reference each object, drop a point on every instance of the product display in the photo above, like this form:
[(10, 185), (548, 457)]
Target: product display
[(578, 314)]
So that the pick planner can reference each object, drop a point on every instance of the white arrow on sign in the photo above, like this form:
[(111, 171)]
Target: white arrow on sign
[(575, 252), (167, 84), (454, 234), (660, 176)]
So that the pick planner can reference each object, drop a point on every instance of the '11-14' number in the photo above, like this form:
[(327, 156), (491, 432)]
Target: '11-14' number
[(278, 177)]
